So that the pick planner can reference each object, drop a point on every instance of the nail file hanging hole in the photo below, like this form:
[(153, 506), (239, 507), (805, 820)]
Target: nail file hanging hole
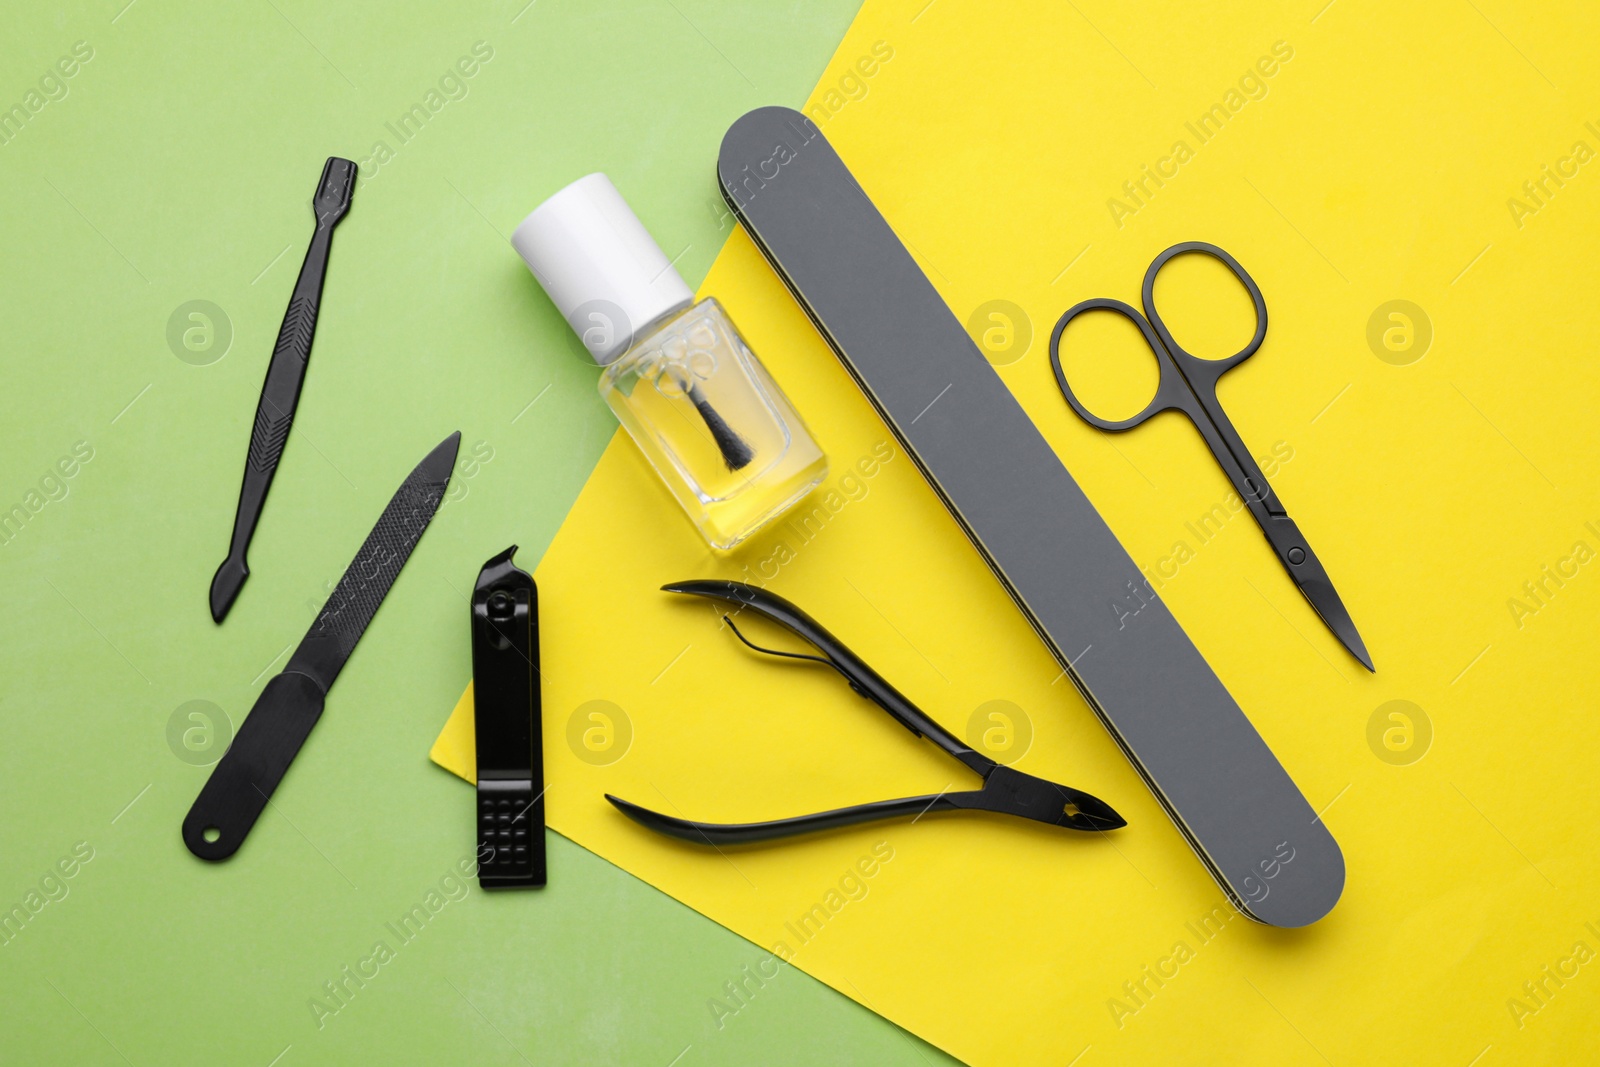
[(1071, 810), (211, 834)]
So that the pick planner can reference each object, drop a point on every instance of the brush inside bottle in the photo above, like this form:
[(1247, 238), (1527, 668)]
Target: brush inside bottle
[(711, 420)]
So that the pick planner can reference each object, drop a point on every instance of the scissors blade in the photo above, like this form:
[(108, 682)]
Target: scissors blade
[(1314, 583), (1327, 604)]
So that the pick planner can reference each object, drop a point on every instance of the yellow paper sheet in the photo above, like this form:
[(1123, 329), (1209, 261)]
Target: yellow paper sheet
[(1442, 463)]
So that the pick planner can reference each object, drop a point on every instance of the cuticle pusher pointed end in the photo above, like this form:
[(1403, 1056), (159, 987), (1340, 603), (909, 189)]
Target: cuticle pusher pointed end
[(225, 586)]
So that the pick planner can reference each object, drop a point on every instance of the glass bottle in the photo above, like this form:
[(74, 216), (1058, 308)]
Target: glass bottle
[(699, 404)]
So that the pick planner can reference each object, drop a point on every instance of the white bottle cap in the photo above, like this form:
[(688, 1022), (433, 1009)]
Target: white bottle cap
[(599, 265)]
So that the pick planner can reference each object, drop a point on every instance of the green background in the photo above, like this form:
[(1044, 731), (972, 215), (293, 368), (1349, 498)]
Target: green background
[(179, 166)]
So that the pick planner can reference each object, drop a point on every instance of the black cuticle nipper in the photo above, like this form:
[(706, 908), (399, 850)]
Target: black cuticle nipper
[(1005, 791)]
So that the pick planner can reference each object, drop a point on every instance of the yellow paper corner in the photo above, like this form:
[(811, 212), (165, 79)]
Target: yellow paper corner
[(455, 749)]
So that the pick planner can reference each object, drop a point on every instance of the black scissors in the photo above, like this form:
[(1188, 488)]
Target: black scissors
[(1188, 383), (1006, 791)]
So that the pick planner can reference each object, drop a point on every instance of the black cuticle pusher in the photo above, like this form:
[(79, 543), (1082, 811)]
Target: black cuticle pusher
[(281, 391)]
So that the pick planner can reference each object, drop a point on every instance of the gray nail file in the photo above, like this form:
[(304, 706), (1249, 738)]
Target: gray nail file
[(1030, 521)]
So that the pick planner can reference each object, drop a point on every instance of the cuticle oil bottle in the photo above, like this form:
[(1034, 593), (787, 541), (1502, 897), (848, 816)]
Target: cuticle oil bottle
[(699, 404)]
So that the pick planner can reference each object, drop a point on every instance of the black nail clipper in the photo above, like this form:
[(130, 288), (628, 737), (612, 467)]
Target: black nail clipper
[(1005, 791), (505, 684)]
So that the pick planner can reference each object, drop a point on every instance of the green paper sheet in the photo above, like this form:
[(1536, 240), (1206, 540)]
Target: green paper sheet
[(155, 215)]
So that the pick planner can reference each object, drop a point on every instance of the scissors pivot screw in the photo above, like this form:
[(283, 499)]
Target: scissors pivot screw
[(1297, 556)]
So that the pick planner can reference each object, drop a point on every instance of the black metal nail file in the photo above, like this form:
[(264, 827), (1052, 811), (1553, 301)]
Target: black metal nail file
[(505, 695), (1030, 521), (281, 390), (291, 703)]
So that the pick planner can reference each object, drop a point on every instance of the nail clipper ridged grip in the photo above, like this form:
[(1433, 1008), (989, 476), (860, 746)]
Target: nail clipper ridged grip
[(510, 834)]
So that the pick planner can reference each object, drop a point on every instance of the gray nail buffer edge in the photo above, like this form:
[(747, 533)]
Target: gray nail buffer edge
[(1029, 520)]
